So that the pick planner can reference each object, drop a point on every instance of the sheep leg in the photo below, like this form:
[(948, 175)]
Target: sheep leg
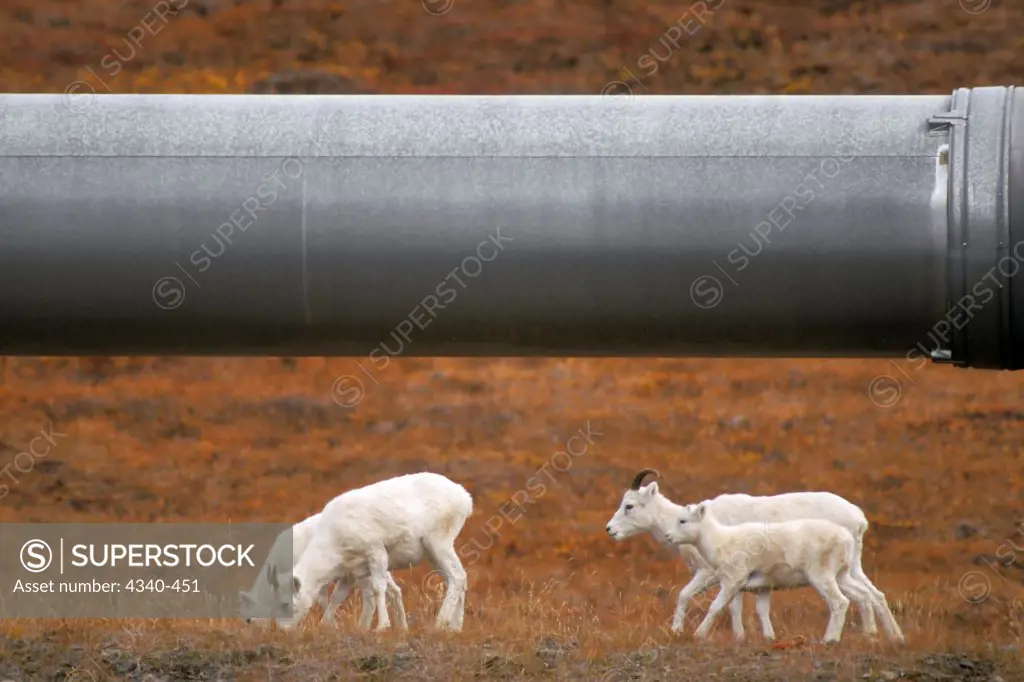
[(857, 592), (378, 566), (837, 604), (881, 607), (459, 611), (450, 615), (762, 602), (728, 592), (395, 594), (341, 590), (702, 579), (736, 615), (457, 592), (892, 628), (857, 570), (369, 605)]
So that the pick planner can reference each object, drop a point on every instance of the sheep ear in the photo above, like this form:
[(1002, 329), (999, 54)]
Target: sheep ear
[(652, 489), (296, 585), (700, 511)]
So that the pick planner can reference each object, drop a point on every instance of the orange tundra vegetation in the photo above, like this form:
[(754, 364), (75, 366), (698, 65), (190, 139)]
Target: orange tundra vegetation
[(550, 595)]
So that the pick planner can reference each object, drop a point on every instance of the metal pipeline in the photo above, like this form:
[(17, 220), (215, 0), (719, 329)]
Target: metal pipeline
[(856, 226)]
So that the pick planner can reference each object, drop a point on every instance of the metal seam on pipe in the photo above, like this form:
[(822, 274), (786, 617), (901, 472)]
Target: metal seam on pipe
[(1015, 220)]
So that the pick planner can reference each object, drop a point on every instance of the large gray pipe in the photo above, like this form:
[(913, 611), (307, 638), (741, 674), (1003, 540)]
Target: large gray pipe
[(538, 225)]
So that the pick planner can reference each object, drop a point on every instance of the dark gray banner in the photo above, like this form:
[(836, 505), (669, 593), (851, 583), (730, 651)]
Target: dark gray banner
[(143, 570)]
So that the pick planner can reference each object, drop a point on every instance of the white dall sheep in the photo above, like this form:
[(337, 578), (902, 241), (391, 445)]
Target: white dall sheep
[(777, 554), (278, 562), (645, 509), (364, 533)]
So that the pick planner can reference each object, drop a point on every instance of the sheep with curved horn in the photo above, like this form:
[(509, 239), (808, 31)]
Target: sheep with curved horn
[(645, 509)]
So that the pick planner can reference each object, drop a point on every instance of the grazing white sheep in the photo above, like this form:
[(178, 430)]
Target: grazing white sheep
[(364, 533), (777, 554), (278, 561), (645, 509)]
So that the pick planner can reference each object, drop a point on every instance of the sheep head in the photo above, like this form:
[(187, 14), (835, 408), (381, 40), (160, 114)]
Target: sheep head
[(293, 593), (686, 529), (636, 513)]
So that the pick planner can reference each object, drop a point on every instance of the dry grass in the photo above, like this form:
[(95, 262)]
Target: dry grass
[(527, 633)]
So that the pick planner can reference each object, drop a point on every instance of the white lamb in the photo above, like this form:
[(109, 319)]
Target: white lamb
[(644, 509), (364, 533), (279, 561), (784, 554)]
